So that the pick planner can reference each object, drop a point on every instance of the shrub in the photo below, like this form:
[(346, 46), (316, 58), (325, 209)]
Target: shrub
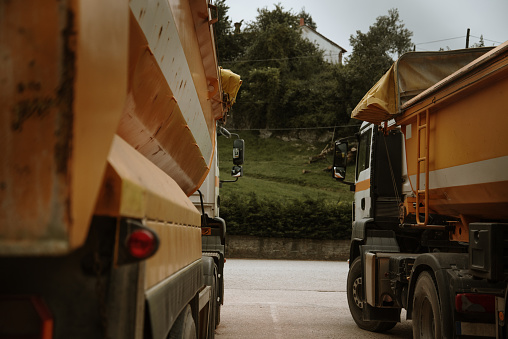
[(299, 218)]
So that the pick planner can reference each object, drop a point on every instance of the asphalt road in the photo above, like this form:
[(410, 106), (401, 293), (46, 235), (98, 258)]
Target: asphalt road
[(290, 299)]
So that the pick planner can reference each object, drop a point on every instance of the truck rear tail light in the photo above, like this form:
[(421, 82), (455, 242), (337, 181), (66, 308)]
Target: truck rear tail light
[(25, 316), (475, 303), (142, 244)]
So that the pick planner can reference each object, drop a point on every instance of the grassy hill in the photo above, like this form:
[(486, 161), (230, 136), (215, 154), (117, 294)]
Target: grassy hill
[(281, 169), (283, 193)]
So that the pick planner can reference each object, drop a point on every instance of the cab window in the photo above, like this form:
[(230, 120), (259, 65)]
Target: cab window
[(363, 161)]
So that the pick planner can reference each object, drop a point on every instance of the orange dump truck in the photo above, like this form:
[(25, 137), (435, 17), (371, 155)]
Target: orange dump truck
[(109, 116), (430, 216)]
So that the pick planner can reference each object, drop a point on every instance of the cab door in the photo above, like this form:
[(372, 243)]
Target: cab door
[(363, 200)]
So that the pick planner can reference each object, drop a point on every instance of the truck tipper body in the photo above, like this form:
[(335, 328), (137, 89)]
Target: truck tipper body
[(109, 116), (430, 216)]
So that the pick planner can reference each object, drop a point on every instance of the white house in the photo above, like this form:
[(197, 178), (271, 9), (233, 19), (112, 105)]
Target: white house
[(332, 52)]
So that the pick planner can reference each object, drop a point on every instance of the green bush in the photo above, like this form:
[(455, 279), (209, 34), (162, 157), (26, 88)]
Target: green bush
[(300, 218)]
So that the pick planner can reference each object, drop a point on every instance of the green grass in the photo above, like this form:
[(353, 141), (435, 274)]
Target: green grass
[(283, 193), (280, 170)]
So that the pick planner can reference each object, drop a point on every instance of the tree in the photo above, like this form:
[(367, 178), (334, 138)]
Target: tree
[(480, 43), (229, 43), (280, 73), (373, 54)]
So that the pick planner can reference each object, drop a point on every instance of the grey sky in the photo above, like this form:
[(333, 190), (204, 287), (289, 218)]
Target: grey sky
[(429, 20)]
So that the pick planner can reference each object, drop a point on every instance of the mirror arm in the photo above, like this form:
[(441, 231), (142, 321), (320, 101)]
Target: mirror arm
[(221, 181), (352, 185), (224, 132)]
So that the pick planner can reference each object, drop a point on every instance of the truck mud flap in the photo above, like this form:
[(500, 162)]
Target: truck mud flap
[(381, 314)]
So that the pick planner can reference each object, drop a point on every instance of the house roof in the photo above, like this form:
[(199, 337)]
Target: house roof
[(322, 36)]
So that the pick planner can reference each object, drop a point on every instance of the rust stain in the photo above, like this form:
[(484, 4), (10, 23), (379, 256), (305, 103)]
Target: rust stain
[(156, 132), (27, 109), (159, 150), (63, 147)]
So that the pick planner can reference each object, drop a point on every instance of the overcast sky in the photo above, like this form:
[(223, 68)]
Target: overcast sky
[(444, 21)]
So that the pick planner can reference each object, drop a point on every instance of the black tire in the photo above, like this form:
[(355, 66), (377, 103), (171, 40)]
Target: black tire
[(217, 316), (212, 313), (220, 288), (426, 308), (355, 300), (184, 326)]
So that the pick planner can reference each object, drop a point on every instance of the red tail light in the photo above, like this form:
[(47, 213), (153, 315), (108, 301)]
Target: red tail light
[(475, 303), (142, 244)]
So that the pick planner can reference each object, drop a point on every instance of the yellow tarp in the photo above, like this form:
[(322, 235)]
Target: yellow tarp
[(230, 85), (380, 102), (409, 76)]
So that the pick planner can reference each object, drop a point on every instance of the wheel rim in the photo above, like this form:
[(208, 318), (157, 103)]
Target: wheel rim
[(357, 292), (427, 321)]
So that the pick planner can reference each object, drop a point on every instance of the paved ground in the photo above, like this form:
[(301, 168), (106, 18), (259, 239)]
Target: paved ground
[(290, 299)]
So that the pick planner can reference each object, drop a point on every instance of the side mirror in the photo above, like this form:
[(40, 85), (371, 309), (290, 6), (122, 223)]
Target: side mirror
[(340, 163), (238, 154), (340, 160), (237, 171), (238, 150)]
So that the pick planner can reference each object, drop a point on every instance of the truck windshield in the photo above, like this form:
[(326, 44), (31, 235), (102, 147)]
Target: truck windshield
[(363, 152)]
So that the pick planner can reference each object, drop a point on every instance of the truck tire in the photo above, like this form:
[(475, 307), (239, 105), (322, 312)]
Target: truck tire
[(184, 326), (212, 315), (426, 308), (355, 301), (217, 316), (217, 299)]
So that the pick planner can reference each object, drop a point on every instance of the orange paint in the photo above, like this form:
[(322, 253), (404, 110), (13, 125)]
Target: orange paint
[(62, 93), (362, 185), (152, 120), (467, 126), (180, 245)]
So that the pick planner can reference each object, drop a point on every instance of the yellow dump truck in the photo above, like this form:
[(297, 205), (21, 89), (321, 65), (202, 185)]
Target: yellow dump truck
[(109, 117), (430, 216)]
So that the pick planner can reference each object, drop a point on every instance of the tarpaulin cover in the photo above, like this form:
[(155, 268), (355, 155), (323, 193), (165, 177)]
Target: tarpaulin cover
[(230, 85), (410, 75)]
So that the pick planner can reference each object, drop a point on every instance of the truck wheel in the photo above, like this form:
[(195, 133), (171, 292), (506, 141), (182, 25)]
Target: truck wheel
[(212, 315), (217, 317), (356, 299), (217, 301), (426, 308), (184, 326)]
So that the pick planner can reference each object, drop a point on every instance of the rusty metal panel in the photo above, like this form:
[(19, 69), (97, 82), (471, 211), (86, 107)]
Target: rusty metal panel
[(62, 87)]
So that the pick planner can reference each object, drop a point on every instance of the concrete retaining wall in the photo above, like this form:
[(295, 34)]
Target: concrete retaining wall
[(290, 249)]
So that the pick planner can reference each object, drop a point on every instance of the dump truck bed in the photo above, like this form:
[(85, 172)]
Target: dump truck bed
[(77, 76), (455, 140)]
